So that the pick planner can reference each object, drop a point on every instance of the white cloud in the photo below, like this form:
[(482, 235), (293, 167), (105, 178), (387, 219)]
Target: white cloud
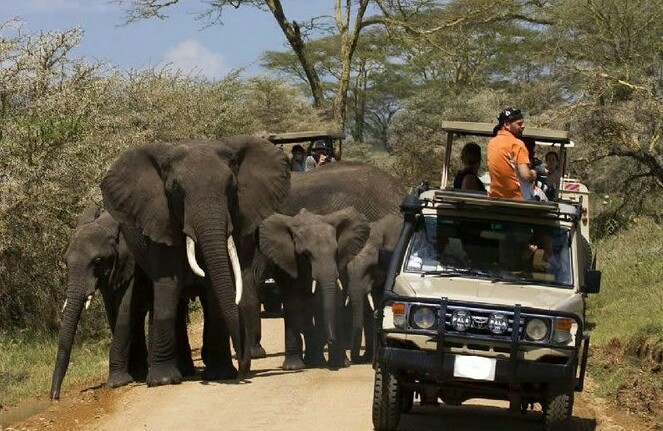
[(189, 56)]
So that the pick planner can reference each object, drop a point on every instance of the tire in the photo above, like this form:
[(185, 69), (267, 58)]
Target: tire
[(557, 410), (387, 400)]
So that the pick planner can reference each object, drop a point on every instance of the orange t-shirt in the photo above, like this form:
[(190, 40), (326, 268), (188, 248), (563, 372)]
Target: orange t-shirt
[(503, 180)]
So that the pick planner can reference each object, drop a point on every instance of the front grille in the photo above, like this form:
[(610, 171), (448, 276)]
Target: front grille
[(480, 323)]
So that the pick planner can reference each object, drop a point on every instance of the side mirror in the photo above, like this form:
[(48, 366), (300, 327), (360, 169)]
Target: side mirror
[(592, 281)]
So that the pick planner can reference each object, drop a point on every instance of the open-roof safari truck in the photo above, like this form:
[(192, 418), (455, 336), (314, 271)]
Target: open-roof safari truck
[(269, 293), (485, 298)]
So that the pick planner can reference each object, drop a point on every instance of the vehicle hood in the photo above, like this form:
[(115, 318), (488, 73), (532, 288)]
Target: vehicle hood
[(489, 292)]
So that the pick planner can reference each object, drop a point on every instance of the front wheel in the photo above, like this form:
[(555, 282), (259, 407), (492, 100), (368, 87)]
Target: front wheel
[(387, 400), (557, 410)]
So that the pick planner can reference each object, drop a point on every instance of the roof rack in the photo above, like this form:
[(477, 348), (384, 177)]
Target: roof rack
[(571, 211)]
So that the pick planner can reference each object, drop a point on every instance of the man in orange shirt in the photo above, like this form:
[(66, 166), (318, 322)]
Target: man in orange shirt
[(507, 155)]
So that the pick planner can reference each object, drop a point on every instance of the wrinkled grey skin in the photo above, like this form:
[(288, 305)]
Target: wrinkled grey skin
[(98, 259), (310, 247), (371, 191), (365, 275), (206, 190)]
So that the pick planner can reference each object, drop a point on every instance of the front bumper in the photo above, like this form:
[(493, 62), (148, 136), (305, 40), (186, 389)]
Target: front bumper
[(441, 369)]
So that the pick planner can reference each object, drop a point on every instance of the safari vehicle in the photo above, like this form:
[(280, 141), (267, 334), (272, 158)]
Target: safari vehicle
[(485, 298), (269, 292)]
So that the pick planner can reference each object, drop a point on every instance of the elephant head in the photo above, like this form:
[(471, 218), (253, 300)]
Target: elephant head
[(95, 260), (201, 192), (325, 243), (366, 273)]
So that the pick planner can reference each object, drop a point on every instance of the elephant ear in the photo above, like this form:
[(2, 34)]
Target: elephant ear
[(352, 232), (90, 214), (275, 241), (263, 178), (134, 192)]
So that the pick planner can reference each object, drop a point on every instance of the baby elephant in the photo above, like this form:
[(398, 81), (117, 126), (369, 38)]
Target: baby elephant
[(97, 258), (309, 251)]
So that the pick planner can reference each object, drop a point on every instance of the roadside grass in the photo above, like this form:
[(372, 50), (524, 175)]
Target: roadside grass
[(27, 360), (631, 297), (627, 319)]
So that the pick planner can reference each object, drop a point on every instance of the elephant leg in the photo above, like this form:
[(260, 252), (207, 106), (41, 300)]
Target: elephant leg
[(140, 302), (118, 360), (163, 366), (294, 319), (216, 353), (369, 336), (184, 360), (249, 309)]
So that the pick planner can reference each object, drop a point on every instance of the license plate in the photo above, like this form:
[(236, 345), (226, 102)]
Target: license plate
[(475, 367)]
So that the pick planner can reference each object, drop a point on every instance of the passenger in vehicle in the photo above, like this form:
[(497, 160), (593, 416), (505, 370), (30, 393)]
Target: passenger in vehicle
[(467, 178), (507, 156), (554, 174), (298, 158), (533, 190), (320, 155)]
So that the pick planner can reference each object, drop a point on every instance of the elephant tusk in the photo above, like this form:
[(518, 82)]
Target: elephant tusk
[(87, 303), (191, 257), (313, 285), (237, 269), (347, 300), (370, 301), (64, 305), (340, 286)]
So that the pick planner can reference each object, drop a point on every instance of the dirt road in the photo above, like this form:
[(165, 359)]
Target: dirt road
[(277, 400)]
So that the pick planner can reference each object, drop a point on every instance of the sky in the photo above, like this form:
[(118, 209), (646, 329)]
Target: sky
[(181, 41)]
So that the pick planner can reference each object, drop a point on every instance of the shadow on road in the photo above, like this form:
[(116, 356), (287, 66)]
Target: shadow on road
[(478, 418)]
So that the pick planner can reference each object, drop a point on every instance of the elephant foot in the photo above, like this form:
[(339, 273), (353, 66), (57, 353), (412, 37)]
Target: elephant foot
[(119, 378), (258, 352), (361, 359), (293, 363), (340, 361), (220, 373), (159, 375), (316, 360)]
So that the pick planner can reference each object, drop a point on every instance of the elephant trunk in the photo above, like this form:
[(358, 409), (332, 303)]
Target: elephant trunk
[(70, 318), (212, 235), (331, 301)]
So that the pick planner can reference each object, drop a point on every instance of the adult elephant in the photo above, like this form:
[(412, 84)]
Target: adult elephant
[(365, 276), (309, 250), (98, 259), (176, 201)]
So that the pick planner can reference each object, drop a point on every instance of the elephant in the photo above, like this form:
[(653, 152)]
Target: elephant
[(364, 276), (331, 187), (182, 201), (308, 250), (98, 258)]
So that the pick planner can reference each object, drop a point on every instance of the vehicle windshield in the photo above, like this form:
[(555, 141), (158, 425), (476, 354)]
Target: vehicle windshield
[(501, 251)]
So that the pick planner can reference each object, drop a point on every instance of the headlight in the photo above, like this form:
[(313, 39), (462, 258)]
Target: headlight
[(424, 318), (498, 323), (536, 329), (461, 320)]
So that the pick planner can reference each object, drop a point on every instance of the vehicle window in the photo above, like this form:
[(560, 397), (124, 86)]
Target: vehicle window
[(503, 251)]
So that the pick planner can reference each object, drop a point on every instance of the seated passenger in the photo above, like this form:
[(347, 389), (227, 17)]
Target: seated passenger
[(554, 174), (467, 178), (319, 155), (298, 158)]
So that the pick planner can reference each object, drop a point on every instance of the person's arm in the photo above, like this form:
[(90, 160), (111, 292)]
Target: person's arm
[(525, 172)]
